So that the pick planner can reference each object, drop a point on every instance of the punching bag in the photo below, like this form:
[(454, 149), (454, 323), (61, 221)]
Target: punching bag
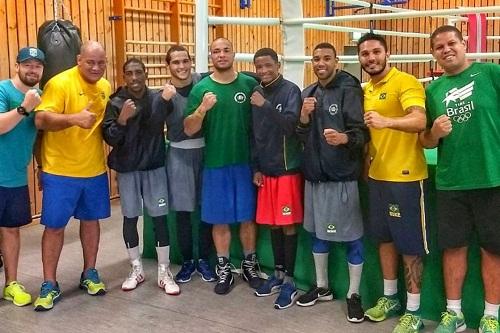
[(60, 40)]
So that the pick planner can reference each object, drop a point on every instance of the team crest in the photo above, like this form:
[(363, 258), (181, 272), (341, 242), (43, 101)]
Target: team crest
[(333, 109), (394, 210), (279, 107), (240, 97), (331, 229), (286, 211), (162, 202), (382, 96)]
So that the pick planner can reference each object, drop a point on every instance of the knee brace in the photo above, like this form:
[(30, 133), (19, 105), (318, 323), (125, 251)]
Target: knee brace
[(320, 246), (355, 251)]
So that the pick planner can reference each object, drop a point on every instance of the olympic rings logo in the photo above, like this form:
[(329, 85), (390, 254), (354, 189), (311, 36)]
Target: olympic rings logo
[(462, 118)]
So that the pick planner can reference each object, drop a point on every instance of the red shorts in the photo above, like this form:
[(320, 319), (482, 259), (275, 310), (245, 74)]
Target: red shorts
[(280, 201)]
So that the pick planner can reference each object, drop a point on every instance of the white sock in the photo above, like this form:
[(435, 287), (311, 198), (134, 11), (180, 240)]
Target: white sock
[(491, 309), (454, 305), (413, 302), (134, 254), (390, 287), (321, 266), (163, 254), (354, 278)]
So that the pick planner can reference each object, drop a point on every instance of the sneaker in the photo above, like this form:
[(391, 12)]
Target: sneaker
[(92, 283), (385, 308), (409, 323), (451, 323), (271, 286), (226, 279), (135, 277), (249, 271), (287, 296), (313, 295), (166, 280), (187, 270), (355, 313), (489, 324), (16, 293), (205, 271), (49, 295)]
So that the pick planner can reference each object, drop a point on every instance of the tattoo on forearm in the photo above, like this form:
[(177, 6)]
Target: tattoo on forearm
[(413, 274)]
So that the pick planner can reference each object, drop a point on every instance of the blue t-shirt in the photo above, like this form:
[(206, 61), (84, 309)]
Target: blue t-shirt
[(16, 146)]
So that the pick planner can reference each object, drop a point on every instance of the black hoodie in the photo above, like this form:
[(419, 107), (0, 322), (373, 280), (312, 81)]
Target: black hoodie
[(140, 144), (340, 107)]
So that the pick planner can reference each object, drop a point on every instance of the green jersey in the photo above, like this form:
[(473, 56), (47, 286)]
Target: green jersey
[(469, 157), (226, 126)]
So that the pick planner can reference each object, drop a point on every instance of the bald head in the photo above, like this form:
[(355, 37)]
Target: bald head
[(92, 61), (222, 54)]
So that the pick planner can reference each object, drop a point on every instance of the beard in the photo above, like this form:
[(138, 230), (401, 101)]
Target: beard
[(30, 81), (374, 72)]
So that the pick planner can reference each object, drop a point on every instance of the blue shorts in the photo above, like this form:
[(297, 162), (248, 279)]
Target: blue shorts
[(83, 198), (397, 214), (15, 210), (228, 195)]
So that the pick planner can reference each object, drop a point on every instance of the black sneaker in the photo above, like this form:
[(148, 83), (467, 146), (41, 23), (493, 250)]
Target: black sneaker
[(355, 313), (249, 271), (315, 294), (226, 280)]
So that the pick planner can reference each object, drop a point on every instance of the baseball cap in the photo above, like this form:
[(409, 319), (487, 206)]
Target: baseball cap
[(28, 53)]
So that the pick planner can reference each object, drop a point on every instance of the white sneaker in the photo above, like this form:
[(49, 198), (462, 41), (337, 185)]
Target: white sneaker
[(166, 280), (135, 277)]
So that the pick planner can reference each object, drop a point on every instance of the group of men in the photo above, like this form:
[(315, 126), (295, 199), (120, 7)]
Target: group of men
[(255, 148)]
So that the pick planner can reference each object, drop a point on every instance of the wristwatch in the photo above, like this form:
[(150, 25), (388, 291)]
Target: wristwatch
[(22, 111)]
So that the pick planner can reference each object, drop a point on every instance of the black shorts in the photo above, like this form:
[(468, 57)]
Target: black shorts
[(397, 214), (15, 210), (460, 213)]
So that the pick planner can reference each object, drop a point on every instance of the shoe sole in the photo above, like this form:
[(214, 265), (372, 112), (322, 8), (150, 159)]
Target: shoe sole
[(41, 308), (204, 279), (231, 284), (100, 292), (274, 290), (11, 299), (378, 320), (138, 284), (184, 281), (280, 307), (171, 294), (320, 299), (355, 320)]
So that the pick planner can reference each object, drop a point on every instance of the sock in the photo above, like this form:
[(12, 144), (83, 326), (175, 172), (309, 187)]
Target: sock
[(491, 309), (163, 254), (413, 302), (454, 305), (354, 279), (288, 279), (161, 231), (246, 253), (390, 287), (184, 234), (223, 255), (290, 244), (134, 254), (321, 266), (277, 243)]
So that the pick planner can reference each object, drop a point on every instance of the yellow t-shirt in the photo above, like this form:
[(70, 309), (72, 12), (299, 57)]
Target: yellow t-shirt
[(74, 151), (396, 155)]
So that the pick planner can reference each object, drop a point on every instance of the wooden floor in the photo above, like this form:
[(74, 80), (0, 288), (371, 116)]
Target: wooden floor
[(148, 309)]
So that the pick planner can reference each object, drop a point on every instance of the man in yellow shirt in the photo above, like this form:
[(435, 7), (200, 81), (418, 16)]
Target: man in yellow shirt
[(74, 178), (395, 112)]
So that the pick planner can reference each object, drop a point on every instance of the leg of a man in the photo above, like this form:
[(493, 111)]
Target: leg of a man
[(52, 243), (89, 237), (248, 235), (454, 270), (10, 244)]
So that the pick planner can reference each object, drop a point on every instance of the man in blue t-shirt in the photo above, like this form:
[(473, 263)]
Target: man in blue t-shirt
[(18, 98)]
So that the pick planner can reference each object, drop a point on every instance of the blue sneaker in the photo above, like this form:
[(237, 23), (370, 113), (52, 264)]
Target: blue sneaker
[(187, 270), (91, 282), (271, 286), (207, 274), (49, 295), (287, 296)]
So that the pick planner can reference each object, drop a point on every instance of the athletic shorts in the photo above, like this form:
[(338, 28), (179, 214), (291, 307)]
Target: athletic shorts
[(228, 195), (332, 211), (184, 178), (280, 200), (85, 199), (146, 189), (461, 213), (15, 210), (397, 214)]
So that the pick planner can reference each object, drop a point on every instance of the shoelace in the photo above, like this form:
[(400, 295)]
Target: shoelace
[(383, 303), (223, 272), (491, 324), (135, 272), (407, 320), (92, 275), (250, 267), (45, 290), (446, 318)]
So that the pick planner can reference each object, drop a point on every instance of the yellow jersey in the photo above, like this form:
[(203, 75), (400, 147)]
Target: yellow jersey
[(74, 151), (395, 155)]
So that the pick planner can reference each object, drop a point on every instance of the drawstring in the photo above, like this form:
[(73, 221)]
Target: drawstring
[(344, 193)]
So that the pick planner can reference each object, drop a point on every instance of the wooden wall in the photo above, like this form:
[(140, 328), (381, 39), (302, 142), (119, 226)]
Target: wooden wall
[(148, 27)]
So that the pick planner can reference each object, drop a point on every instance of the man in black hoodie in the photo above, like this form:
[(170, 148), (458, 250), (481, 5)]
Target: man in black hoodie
[(334, 135), (133, 125)]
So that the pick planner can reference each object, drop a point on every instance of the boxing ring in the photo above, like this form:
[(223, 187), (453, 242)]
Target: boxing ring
[(293, 61)]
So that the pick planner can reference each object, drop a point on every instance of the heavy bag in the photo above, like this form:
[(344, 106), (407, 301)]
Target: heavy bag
[(61, 41)]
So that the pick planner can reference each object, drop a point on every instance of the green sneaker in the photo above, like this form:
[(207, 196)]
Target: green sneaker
[(92, 283), (451, 323), (385, 308), (489, 324), (16, 293), (49, 295), (409, 323)]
